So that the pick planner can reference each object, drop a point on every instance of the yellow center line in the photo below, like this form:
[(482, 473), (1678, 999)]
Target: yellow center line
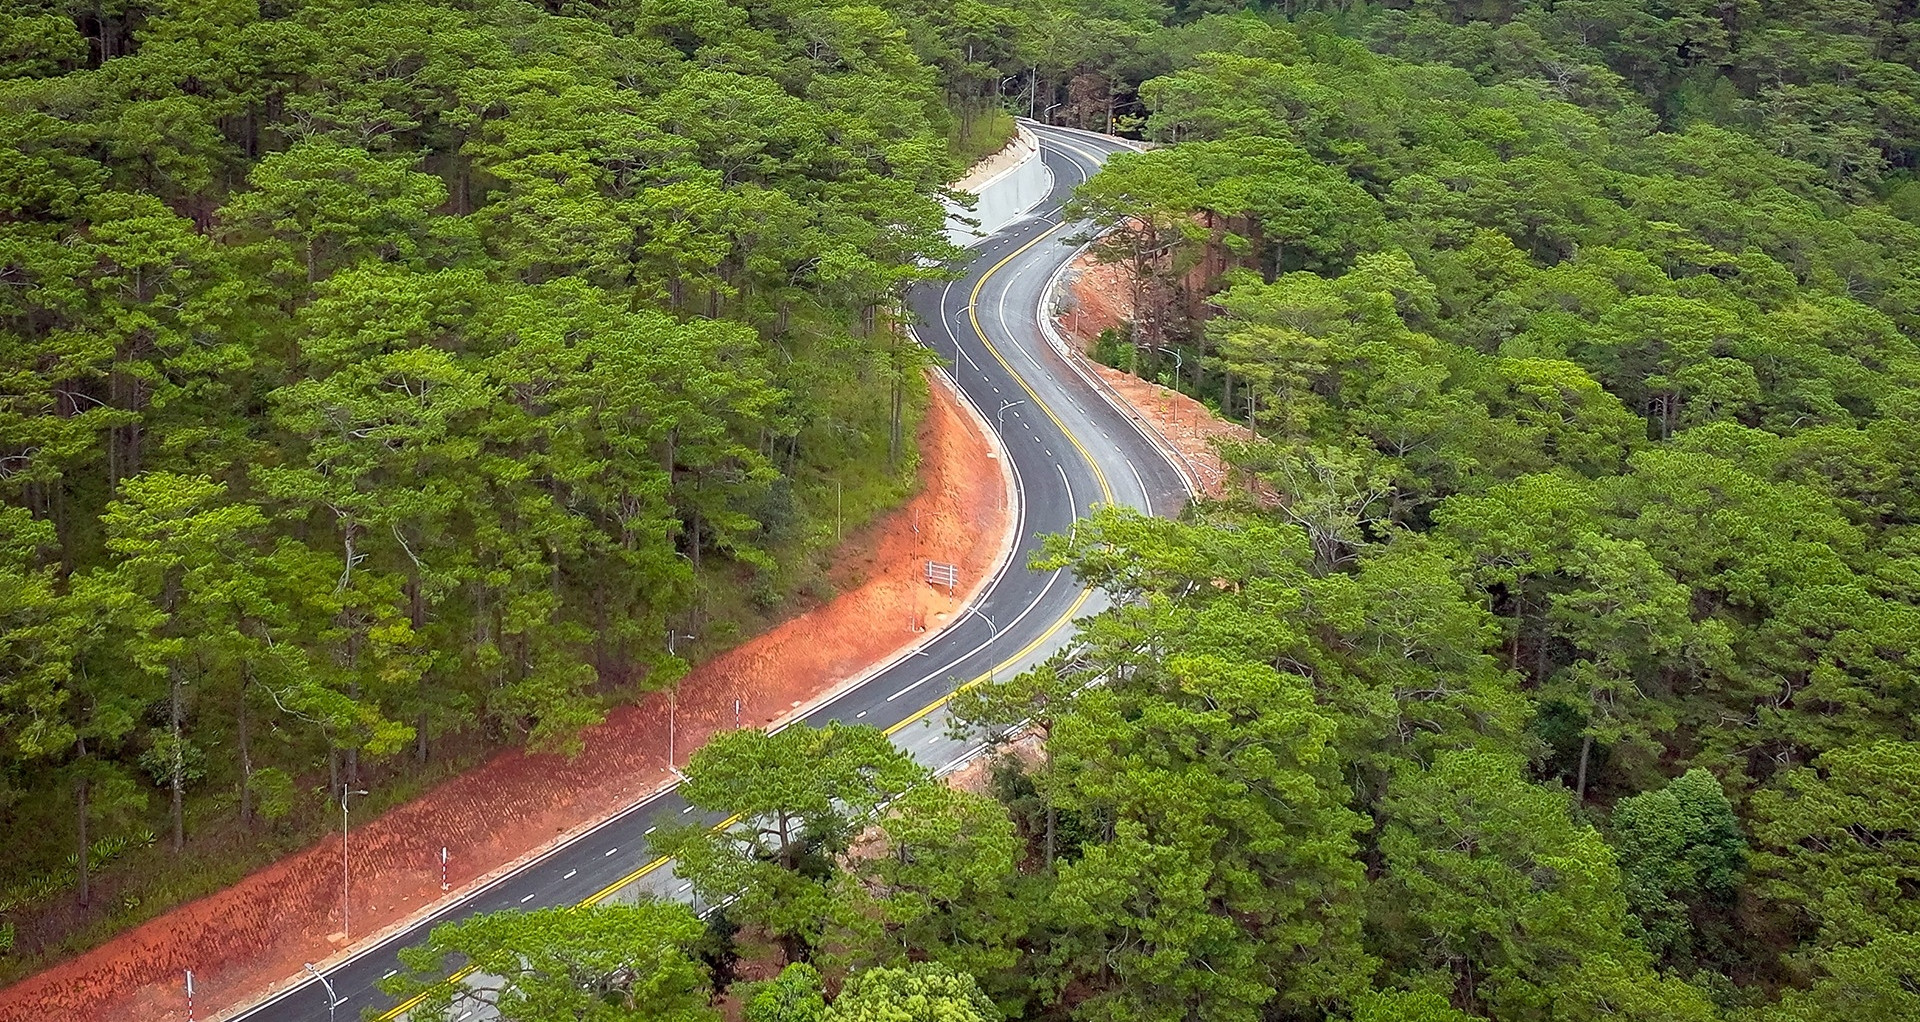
[(1106, 491), (973, 314)]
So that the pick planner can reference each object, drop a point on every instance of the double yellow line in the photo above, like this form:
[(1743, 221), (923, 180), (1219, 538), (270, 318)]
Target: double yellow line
[(1106, 493)]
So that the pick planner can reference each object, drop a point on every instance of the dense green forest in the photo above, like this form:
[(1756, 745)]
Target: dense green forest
[(383, 382), (1554, 658)]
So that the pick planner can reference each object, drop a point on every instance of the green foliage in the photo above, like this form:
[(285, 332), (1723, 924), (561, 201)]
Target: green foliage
[(1872, 982), (1574, 550), (792, 996), (795, 798), (1681, 853), (611, 962), (1836, 843), (384, 374), (925, 992)]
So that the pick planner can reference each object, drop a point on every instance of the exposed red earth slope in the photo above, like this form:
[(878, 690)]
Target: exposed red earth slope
[(247, 939), (1099, 297)]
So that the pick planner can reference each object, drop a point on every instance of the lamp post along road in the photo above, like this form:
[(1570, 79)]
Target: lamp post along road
[(346, 932), (992, 628), (673, 698), (333, 1000), (1001, 415), (1178, 365)]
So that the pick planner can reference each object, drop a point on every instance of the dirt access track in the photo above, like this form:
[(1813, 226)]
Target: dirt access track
[(244, 941)]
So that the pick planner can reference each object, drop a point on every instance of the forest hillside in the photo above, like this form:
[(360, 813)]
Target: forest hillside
[(386, 383), (1553, 659)]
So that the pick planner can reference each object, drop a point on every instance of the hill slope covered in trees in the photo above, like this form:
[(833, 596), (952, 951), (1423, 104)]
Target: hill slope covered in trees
[(385, 381), (1556, 663)]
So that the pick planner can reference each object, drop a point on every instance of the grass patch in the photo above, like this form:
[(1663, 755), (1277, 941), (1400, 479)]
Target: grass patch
[(985, 133)]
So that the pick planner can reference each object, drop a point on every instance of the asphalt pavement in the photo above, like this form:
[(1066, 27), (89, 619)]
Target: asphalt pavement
[(1069, 451)]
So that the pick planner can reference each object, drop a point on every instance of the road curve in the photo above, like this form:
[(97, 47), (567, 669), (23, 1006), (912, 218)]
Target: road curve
[(1069, 450)]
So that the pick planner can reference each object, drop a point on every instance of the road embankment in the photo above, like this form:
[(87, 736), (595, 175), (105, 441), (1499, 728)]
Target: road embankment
[(1005, 187)]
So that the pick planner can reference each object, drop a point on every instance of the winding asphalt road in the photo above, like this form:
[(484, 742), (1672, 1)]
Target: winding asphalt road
[(1069, 451)]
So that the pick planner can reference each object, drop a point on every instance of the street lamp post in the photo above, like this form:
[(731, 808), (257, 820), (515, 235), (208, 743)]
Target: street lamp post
[(673, 699), (1179, 364), (333, 999), (992, 628), (346, 932), (1001, 415)]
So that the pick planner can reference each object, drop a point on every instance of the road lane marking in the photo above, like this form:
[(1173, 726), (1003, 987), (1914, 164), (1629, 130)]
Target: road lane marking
[(1144, 495), (608, 852), (649, 830), (570, 874), (1022, 616), (526, 899)]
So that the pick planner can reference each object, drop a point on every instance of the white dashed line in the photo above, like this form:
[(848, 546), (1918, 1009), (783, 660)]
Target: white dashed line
[(608, 852), (684, 888), (570, 874), (390, 973), (862, 713), (685, 811), (526, 899), (649, 830)]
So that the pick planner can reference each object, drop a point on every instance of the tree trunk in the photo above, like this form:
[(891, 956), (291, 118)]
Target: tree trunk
[(896, 408), (177, 772), (1580, 782), (80, 801), (243, 738)]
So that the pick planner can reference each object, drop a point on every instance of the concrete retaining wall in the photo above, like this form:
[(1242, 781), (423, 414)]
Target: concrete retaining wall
[(1005, 196)]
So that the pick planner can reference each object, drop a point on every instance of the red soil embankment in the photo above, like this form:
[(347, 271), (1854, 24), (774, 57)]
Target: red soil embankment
[(245, 940), (1100, 297)]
